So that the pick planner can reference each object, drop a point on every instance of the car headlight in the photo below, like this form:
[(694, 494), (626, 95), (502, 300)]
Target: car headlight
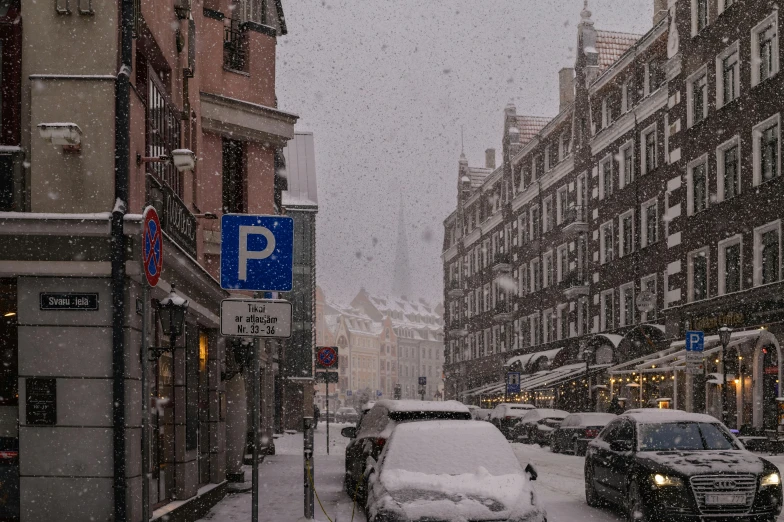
[(771, 480), (663, 480)]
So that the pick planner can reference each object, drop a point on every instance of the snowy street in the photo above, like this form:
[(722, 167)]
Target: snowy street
[(560, 484)]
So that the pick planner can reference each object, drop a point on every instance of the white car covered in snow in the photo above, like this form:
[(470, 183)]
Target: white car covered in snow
[(450, 471)]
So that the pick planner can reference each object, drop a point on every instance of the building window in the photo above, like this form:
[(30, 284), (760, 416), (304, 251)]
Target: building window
[(648, 283), (606, 243), (548, 325), (536, 276), (767, 254), (699, 14), (536, 230), (562, 204), (523, 283), (548, 268), (582, 316), (547, 214), (563, 262), (697, 87), (627, 305), (727, 76), (607, 319), (727, 161), (234, 179), (655, 75), (650, 223), (697, 186), (605, 178), (765, 49), (625, 97), (627, 164), (730, 252), (536, 330), (563, 322), (698, 275), (766, 150), (566, 139), (626, 233), (649, 149)]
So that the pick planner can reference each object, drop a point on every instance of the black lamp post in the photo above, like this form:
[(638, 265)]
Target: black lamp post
[(587, 353), (725, 333), (172, 311)]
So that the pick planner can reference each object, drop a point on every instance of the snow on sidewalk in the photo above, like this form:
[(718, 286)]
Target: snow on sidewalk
[(281, 483)]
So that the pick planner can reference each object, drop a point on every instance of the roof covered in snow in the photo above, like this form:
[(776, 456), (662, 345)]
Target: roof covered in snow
[(451, 406), (529, 126)]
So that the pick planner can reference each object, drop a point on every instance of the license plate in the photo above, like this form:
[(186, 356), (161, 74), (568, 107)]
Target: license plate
[(723, 499)]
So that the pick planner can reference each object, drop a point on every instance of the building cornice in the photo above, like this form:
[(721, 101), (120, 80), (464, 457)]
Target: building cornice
[(245, 120)]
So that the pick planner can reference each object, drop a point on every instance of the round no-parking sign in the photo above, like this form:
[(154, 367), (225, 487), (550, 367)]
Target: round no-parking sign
[(152, 246), (327, 357)]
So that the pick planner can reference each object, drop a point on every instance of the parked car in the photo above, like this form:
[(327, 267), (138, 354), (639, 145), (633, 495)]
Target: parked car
[(370, 437), (673, 465), (536, 426), (505, 415), (346, 415), (450, 470), (577, 430), (9, 478), (482, 414)]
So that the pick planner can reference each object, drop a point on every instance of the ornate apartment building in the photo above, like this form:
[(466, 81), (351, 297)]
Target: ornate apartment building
[(660, 174)]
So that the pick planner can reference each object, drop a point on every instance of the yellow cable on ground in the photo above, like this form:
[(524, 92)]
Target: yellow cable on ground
[(310, 477), (356, 490)]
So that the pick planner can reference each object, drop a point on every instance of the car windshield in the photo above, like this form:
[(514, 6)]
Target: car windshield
[(684, 436)]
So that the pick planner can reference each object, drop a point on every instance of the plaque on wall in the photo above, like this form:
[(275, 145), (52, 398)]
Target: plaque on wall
[(41, 401), (69, 301)]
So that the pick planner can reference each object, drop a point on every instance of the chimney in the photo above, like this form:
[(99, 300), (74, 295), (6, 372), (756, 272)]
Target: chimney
[(566, 87), (659, 11), (490, 159)]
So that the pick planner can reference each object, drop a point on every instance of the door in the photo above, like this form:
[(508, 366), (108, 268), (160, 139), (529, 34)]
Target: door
[(600, 458), (620, 462)]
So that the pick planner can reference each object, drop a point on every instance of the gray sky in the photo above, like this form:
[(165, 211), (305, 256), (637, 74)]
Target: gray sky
[(385, 86)]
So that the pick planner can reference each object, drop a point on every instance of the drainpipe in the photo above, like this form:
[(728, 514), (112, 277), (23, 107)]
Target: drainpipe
[(121, 173)]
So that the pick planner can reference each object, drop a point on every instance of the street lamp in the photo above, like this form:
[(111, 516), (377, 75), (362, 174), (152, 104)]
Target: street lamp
[(725, 333), (172, 311), (587, 353)]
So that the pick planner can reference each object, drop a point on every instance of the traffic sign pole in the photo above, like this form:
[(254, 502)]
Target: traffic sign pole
[(327, 384)]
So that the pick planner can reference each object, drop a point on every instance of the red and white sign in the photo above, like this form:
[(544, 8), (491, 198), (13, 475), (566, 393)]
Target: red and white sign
[(152, 246), (327, 357)]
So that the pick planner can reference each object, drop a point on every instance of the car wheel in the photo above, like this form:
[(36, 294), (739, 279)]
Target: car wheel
[(635, 508), (591, 496)]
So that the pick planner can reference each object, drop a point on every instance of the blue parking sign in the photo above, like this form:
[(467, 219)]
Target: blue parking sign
[(695, 341), (256, 252)]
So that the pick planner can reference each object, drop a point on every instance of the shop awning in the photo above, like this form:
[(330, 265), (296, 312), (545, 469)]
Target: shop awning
[(484, 389), (558, 376), (526, 359)]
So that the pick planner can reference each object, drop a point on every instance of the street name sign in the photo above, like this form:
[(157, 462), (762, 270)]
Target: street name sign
[(257, 252), (256, 318)]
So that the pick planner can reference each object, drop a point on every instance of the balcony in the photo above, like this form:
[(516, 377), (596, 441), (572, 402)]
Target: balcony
[(575, 284), (457, 329), (503, 312), (575, 221), (235, 46), (455, 289), (502, 263)]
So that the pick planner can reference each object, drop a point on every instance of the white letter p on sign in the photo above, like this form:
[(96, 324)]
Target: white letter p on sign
[(246, 254)]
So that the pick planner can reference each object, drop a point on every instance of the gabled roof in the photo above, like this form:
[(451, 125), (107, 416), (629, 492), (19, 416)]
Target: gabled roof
[(478, 175), (611, 45), (529, 126)]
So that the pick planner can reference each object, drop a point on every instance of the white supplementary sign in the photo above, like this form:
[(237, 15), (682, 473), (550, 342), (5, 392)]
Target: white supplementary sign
[(256, 318)]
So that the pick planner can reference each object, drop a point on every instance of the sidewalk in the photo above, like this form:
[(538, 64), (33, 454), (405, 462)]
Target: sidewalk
[(281, 479)]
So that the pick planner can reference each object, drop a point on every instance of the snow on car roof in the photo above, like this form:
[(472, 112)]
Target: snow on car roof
[(452, 406), (656, 415)]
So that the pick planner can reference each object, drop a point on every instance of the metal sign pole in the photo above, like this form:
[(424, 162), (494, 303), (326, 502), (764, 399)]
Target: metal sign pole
[(145, 409), (309, 472), (326, 378), (255, 426)]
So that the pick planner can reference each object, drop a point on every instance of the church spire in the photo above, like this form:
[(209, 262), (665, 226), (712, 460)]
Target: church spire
[(401, 282)]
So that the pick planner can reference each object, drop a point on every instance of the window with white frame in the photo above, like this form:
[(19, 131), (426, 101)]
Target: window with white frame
[(561, 203), (730, 270), (698, 275), (727, 75), (649, 160), (523, 283), (767, 150), (536, 275), (582, 316), (654, 75), (765, 49), (650, 222), (547, 214), (547, 259), (728, 169), (566, 139), (562, 255), (523, 230), (606, 114), (536, 330), (549, 317), (625, 97), (606, 302), (536, 229), (648, 283), (767, 253), (725, 4), (626, 156), (627, 304), (605, 177), (699, 16), (606, 242), (697, 185), (697, 99), (626, 233)]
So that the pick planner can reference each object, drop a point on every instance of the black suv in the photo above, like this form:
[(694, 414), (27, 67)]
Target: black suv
[(672, 465)]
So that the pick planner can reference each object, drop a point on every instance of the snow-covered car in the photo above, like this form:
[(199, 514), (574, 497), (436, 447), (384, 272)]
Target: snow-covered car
[(577, 430), (450, 470), (506, 414), (346, 415), (672, 465), (536, 426), (369, 438)]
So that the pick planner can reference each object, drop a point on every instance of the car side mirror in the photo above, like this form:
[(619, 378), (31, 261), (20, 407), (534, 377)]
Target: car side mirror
[(531, 471), (621, 445), (349, 433)]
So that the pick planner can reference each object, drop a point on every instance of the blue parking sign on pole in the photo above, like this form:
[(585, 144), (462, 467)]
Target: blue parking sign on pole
[(695, 341), (513, 382), (257, 252)]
